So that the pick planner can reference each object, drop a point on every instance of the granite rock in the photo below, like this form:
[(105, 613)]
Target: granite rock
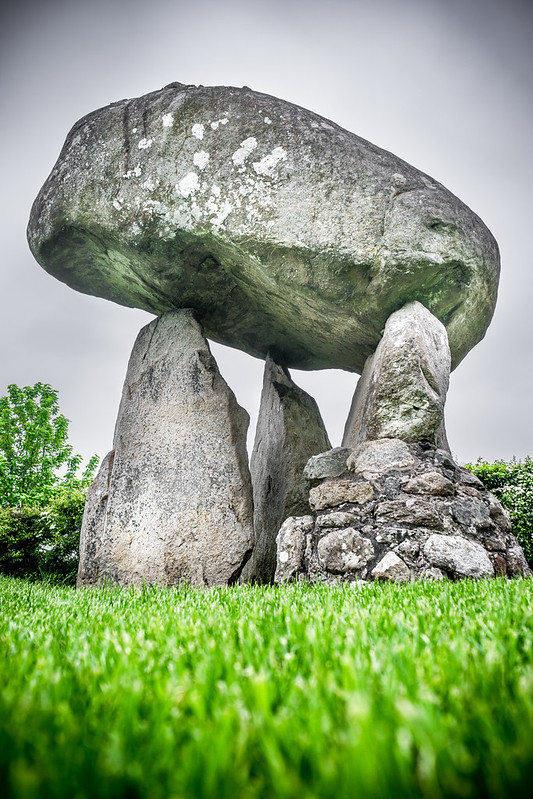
[(285, 233), (458, 555), (376, 457), (289, 430), (173, 502), (338, 492), (291, 542), (402, 390), (327, 464), (391, 568), (344, 550)]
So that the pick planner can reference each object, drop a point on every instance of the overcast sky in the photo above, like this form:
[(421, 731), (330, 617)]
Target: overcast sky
[(444, 84)]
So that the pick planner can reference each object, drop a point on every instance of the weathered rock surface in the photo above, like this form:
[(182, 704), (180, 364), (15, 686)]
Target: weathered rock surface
[(289, 431), (456, 554), (402, 390), (284, 232), (173, 500), (291, 544), (327, 464), (391, 568), (399, 512)]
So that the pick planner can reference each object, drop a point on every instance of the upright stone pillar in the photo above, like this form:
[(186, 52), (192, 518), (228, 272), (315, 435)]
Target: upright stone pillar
[(289, 431), (172, 501), (402, 390)]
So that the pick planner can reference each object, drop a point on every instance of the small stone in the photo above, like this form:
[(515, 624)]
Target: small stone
[(516, 562), (336, 519), (495, 541), (344, 550), (391, 486), (376, 457), (337, 492), (470, 512), (432, 483), (409, 548), (500, 566), (415, 512), (498, 514), (432, 573), (468, 478), (291, 542), (390, 535), (458, 555), (443, 458), (391, 568), (327, 464), (468, 491)]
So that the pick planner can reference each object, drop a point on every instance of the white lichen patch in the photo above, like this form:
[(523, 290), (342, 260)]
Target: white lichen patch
[(133, 172), (149, 184), (168, 119), (247, 147), (198, 130), (117, 203), (144, 144), (218, 122), (267, 164), (221, 214), (201, 159), (189, 184)]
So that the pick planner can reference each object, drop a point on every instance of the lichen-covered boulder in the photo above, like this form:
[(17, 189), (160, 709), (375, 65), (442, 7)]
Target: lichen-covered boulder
[(284, 232), (402, 390)]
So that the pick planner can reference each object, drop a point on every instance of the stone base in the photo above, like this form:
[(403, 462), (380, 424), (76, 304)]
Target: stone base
[(396, 511)]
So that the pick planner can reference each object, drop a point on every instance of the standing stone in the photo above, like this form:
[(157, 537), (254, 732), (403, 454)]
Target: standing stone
[(172, 502), (289, 431), (402, 390)]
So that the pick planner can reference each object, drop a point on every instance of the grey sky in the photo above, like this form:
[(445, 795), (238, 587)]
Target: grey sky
[(444, 84)]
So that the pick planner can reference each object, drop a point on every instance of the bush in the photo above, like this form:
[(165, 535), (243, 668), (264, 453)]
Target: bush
[(512, 484), (21, 537), (41, 496), (44, 542)]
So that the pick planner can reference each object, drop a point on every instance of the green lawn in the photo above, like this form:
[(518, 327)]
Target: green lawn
[(301, 691)]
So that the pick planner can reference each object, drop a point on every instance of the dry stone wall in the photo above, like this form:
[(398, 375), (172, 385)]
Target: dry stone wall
[(397, 511)]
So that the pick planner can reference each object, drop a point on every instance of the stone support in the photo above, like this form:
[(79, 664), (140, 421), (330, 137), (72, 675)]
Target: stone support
[(172, 502)]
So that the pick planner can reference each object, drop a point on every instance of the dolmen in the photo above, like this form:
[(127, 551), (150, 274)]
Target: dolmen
[(238, 217)]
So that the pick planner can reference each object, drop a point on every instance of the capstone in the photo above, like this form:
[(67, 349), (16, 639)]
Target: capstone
[(284, 232)]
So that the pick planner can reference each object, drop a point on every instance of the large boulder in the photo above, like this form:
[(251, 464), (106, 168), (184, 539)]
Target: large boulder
[(285, 233), (173, 501)]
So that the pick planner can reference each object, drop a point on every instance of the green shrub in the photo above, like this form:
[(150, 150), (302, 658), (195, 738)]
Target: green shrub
[(512, 484), (43, 542), (41, 496), (21, 538)]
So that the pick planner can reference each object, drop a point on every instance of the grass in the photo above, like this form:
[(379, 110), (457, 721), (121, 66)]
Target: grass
[(419, 690)]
